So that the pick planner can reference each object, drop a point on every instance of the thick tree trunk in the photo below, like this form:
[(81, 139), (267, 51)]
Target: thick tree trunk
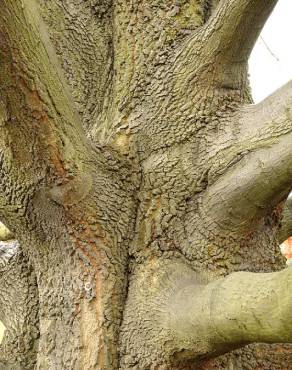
[(144, 188)]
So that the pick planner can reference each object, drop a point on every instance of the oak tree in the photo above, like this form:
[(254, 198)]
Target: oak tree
[(143, 188)]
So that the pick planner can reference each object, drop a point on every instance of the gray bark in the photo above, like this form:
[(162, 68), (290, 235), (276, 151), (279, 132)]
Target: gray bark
[(141, 182)]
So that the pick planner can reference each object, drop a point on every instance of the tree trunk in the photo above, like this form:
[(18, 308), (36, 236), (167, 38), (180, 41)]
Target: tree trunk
[(145, 189)]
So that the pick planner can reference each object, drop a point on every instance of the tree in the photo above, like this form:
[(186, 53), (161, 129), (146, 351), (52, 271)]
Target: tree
[(144, 188)]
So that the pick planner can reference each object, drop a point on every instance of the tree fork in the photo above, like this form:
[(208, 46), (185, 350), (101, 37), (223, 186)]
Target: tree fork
[(261, 157), (175, 111)]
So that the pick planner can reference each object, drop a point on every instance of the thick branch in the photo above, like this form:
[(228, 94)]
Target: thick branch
[(41, 141), (257, 172), (31, 66), (188, 315), (75, 203), (231, 34), (230, 312), (225, 43), (235, 27), (286, 225)]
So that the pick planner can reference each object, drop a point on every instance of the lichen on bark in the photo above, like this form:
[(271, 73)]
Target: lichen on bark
[(143, 187)]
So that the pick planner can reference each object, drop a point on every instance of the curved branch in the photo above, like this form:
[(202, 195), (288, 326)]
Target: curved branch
[(31, 67), (18, 309), (235, 27), (257, 171), (194, 316), (286, 225), (230, 36), (225, 43), (230, 312)]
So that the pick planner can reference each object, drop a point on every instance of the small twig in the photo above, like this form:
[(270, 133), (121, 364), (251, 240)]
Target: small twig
[(269, 50)]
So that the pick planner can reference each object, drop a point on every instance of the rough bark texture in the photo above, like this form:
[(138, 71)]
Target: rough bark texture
[(19, 309), (286, 225), (145, 189)]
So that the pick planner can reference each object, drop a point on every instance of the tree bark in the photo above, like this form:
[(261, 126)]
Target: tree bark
[(144, 188), (286, 224), (19, 309)]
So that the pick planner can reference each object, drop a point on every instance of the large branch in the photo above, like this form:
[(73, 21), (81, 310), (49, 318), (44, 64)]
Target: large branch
[(42, 143), (218, 52), (230, 312), (255, 174), (70, 204), (195, 315), (230, 36), (235, 27), (286, 225)]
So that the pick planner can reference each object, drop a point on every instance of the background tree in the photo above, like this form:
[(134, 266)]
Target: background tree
[(144, 187)]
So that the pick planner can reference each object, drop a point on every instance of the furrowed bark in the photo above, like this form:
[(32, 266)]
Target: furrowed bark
[(81, 33), (146, 35), (213, 172), (169, 103), (286, 224), (216, 215), (70, 204), (41, 136), (19, 309), (257, 172)]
